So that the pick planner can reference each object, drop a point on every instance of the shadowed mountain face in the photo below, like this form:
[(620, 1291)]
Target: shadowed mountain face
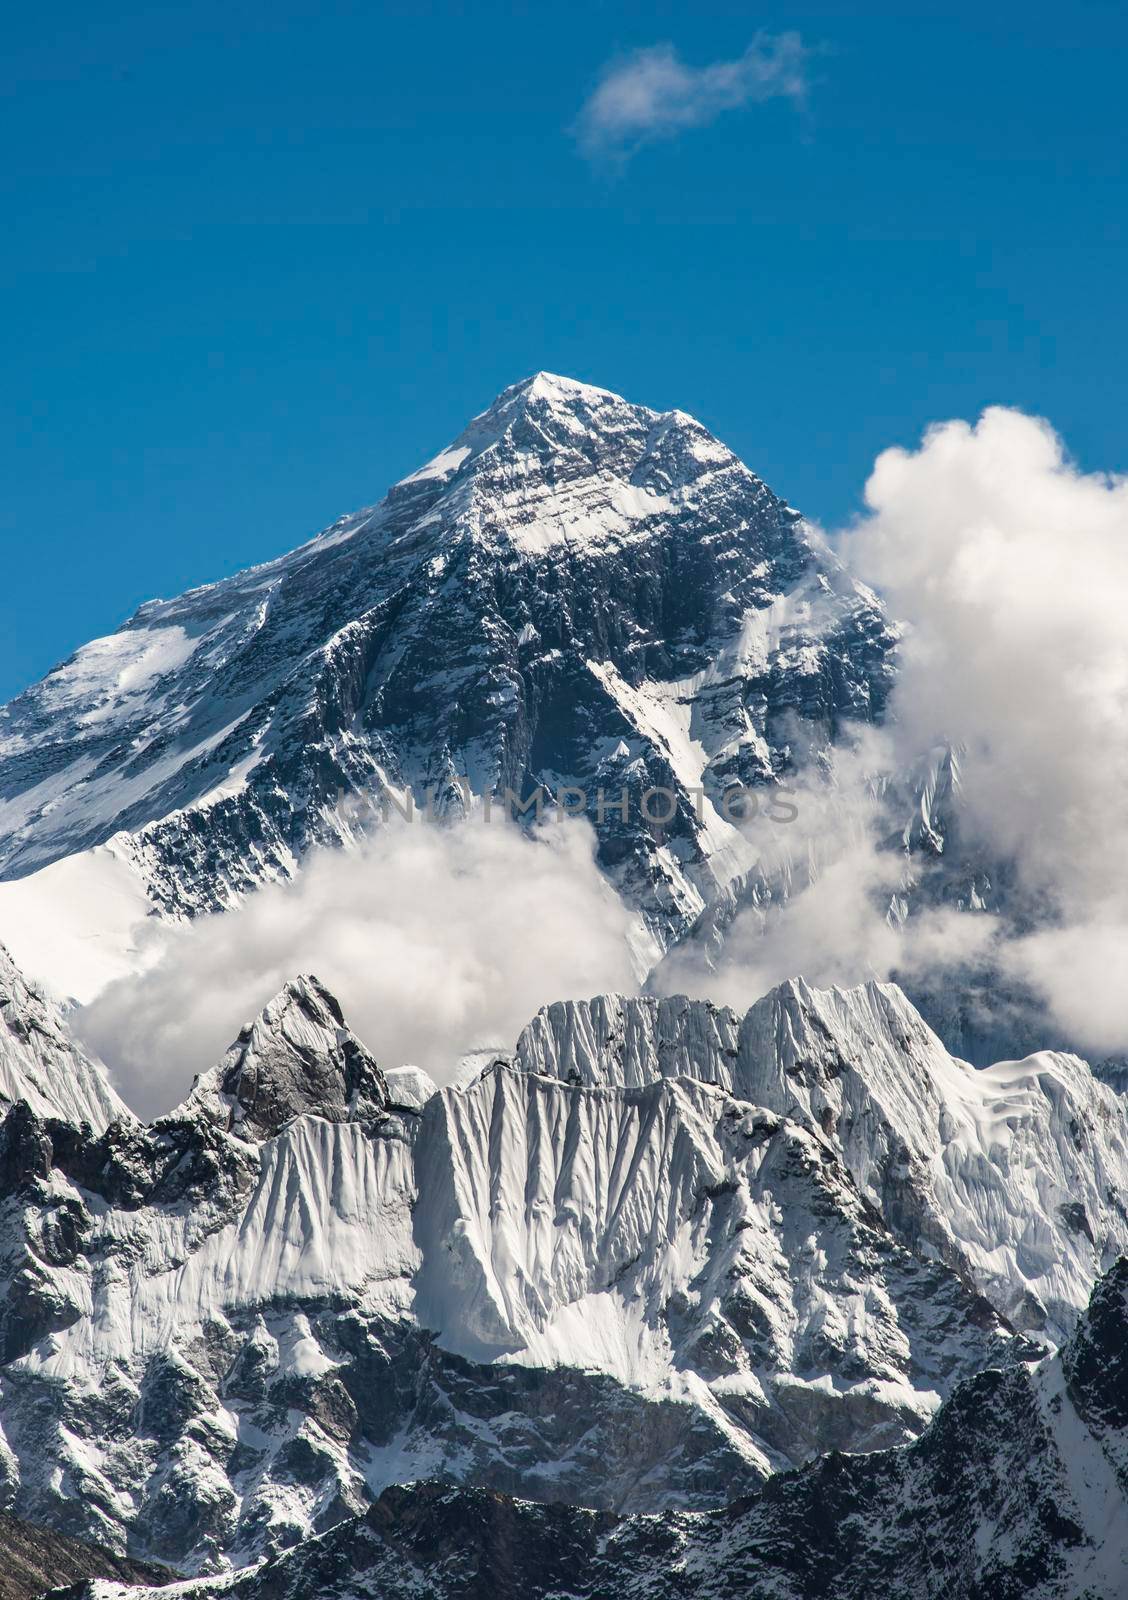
[(578, 591), (36, 1560), (297, 1057), (1011, 1493)]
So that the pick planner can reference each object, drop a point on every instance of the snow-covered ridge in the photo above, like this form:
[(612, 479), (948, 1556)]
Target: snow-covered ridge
[(1016, 1174), (41, 1063)]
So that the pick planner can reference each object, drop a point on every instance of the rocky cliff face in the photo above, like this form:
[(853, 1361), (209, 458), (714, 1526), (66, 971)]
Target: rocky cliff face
[(1010, 1492), (38, 1561)]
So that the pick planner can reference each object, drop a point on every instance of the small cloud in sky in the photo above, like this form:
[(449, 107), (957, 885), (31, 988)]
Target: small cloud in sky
[(652, 93)]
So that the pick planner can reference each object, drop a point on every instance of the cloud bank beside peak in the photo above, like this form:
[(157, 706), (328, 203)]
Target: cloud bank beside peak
[(1008, 566)]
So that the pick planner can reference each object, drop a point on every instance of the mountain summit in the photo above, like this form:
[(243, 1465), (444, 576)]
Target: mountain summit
[(577, 590)]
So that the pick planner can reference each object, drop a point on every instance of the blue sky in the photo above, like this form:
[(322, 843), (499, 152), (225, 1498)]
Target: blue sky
[(260, 261)]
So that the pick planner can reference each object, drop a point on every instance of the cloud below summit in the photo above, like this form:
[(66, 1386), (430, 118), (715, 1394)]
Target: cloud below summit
[(436, 940), (1010, 567), (653, 94)]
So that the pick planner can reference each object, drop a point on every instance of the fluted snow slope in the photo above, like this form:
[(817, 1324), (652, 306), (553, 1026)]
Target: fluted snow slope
[(1017, 1175)]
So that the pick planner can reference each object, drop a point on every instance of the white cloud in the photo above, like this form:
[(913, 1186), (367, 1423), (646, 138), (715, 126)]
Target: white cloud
[(1082, 971), (435, 939), (1010, 567), (653, 94)]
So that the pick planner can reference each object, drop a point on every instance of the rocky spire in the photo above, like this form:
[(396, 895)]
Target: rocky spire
[(297, 1058)]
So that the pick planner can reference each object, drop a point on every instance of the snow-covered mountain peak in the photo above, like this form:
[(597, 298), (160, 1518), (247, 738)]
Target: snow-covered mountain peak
[(577, 590), (554, 389), (297, 1058), (41, 1063), (580, 462), (546, 393)]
